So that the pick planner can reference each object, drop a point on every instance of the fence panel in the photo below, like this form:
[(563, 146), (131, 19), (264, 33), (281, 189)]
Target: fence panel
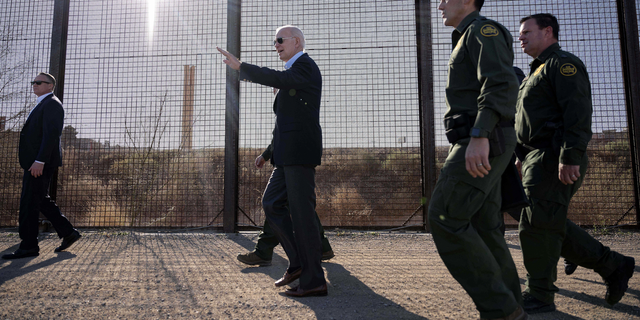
[(366, 51), (25, 43), (145, 107), (144, 129)]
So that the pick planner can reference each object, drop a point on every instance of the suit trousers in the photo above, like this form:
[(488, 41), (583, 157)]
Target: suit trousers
[(267, 241), (465, 221), (35, 199), (289, 202)]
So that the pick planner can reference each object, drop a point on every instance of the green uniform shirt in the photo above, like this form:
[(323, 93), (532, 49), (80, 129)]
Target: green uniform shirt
[(557, 91), (481, 78)]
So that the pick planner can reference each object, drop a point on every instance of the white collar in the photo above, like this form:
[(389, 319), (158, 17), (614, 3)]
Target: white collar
[(40, 98), (293, 60)]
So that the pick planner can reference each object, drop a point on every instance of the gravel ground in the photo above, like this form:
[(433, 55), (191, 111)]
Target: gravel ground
[(117, 274)]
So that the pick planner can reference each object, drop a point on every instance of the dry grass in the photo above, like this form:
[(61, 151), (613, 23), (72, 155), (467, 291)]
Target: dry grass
[(358, 187)]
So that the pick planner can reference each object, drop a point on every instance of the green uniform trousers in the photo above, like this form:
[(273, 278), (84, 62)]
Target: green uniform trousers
[(267, 241), (546, 233), (465, 220)]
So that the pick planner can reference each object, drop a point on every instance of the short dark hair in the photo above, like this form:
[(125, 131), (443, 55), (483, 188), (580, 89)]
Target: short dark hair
[(544, 20), (478, 4), (50, 77)]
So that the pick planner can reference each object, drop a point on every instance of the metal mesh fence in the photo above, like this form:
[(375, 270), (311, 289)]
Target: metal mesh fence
[(144, 124), (365, 50), (25, 43), (145, 107), (145, 98)]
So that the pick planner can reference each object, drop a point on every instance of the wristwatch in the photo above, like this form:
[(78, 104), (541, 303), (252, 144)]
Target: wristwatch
[(479, 133)]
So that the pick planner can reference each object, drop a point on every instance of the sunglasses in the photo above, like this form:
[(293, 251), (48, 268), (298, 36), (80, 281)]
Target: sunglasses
[(39, 82), (280, 40)]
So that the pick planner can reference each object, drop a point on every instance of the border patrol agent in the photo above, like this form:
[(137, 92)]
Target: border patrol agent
[(553, 126), (464, 210)]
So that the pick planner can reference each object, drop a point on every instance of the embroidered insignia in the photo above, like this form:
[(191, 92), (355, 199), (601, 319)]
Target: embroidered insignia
[(568, 70), (489, 31), (537, 72)]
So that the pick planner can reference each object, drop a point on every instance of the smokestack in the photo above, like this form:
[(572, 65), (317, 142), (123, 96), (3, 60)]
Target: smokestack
[(187, 107)]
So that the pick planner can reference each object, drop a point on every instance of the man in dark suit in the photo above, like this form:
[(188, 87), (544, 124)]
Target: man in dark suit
[(40, 155), (289, 201)]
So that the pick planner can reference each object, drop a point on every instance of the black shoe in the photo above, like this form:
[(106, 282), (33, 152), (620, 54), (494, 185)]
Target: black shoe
[(618, 282), (68, 241), (569, 267), (21, 253), (532, 305)]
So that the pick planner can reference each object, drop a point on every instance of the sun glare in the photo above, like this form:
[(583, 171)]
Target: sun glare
[(151, 17)]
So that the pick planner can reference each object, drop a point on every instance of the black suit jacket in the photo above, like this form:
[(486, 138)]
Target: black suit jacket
[(297, 137), (40, 135)]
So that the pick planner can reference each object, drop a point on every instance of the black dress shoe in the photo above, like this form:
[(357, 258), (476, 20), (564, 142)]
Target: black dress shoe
[(299, 292), (288, 277), (569, 267), (21, 253), (68, 241)]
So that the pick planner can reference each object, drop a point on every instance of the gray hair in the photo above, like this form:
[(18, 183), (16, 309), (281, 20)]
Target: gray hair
[(295, 32), (50, 77)]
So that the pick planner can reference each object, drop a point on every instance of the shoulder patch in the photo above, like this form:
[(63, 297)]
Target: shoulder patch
[(489, 31), (568, 70)]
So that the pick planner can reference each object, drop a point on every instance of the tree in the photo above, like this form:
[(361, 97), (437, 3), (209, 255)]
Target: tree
[(13, 69), (69, 136)]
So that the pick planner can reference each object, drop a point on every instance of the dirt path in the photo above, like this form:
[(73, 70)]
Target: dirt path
[(135, 275)]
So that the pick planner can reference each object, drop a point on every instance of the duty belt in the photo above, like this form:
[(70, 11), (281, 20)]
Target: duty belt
[(458, 126)]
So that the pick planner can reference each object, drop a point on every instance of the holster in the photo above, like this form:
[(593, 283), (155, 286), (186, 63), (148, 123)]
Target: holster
[(458, 127)]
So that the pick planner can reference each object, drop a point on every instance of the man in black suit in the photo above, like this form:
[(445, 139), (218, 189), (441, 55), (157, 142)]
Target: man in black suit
[(40, 155), (289, 201)]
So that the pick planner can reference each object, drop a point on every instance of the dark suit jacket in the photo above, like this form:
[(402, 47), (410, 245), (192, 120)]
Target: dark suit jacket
[(297, 137), (40, 135)]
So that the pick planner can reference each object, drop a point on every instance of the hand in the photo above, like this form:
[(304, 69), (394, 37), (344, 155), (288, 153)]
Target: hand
[(568, 173), (230, 60), (36, 169), (260, 161), (477, 157)]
